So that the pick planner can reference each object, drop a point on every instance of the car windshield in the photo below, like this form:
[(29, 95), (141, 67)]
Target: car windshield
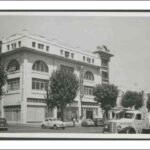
[(129, 115), (119, 115)]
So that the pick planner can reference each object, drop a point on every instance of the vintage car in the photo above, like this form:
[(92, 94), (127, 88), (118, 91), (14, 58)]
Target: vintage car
[(98, 121), (3, 124), (87, 123), (53, 123)]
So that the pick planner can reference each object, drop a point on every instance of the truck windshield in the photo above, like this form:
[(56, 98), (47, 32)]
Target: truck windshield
[(128, 115), (119, 115)]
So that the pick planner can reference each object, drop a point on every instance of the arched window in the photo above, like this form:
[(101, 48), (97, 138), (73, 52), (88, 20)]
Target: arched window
[(40, 66), (89, 76), (13, 66)]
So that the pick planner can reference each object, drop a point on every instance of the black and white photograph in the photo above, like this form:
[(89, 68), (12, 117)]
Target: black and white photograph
[(74, 74)]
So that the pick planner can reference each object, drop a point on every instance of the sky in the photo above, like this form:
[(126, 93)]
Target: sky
[(127, 37)]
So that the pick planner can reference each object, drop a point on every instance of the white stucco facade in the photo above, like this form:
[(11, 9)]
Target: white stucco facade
[(27, 105)]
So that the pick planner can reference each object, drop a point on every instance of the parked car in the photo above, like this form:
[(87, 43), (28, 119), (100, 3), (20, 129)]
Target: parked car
[(53, 123), (3, 124), (98, 122), (87, 123)]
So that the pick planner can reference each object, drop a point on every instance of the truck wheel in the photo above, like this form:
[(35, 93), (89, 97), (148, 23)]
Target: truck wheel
[(130, 131)]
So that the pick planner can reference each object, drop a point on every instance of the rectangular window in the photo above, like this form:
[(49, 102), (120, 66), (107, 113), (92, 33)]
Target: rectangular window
[(39, 84), (104, 74), (89, 60), (93, 61), (13, 45), (33, 44), (40, 46), (19, 44), (88, 90), (104, 62), (8, 47), (83, 58), (47, 48), (67, 54), (67, 68), (61, 52), (13, 84), (72, 55)]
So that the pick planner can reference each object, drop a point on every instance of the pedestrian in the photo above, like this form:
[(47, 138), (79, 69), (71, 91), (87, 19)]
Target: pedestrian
[(74, 122)]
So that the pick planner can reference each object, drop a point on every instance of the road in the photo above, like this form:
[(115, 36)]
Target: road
[(33, 129)]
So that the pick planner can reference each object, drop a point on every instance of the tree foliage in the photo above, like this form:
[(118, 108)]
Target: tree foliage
[(132, 98), (106, 95), (3, 78), (62, 90), (148, 103)]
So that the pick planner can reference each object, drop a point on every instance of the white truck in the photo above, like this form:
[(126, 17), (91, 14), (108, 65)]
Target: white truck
[(133, 121)]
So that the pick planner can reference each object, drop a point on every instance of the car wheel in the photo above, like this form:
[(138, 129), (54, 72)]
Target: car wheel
[(55, 126)]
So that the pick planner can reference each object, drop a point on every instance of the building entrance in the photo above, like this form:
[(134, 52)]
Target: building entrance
[(89, 114)]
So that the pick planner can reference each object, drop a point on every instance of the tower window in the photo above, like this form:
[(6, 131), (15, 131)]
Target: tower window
[(104, 75), (105, 62)]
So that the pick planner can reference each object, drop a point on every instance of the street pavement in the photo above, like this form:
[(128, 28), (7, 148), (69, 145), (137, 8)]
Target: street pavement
[(38, 129)]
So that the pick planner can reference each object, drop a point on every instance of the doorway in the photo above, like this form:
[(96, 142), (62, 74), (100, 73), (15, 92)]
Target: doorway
[(89, 114)]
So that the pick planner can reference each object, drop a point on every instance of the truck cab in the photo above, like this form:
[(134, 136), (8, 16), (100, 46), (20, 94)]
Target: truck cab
[(133, 121)]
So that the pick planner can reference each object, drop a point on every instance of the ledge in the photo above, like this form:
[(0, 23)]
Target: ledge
[(13, 92)]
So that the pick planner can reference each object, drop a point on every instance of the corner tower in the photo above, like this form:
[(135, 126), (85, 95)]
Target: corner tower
[(105, 55)]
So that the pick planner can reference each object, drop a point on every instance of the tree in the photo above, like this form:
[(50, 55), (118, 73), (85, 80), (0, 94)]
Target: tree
[(106, 95), (3, 78), (132, 98), (148, 103), (63, 89)]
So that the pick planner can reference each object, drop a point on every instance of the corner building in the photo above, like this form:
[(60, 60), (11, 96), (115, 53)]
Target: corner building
[(30, 60)]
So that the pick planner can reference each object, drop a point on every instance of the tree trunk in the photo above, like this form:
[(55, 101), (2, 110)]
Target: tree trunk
[(62, 113)]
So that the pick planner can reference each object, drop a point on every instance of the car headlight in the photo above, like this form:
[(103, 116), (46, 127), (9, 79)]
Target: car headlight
[(106, 126)]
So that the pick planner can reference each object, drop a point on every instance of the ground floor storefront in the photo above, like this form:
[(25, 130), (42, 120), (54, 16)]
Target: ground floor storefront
[(37, 113)]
